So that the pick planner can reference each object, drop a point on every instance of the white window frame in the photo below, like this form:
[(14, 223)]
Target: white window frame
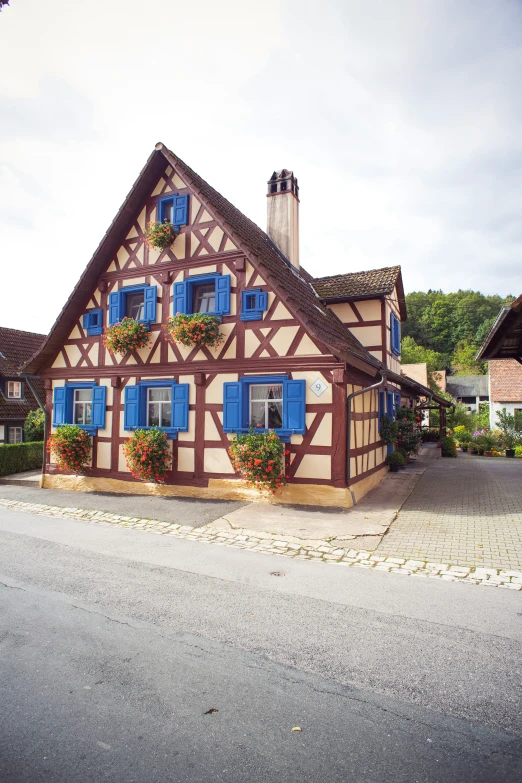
[(11, 385), (16, 430), (83, 404), (267, 401), (160, 403)]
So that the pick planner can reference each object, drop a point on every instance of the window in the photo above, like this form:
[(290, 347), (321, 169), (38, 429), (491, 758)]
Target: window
[(162, 404), (159, 407), (203, 294), (134, 301), (253, 303), (395, 327), (204, 298), (267, 402), (266, 406), (517, 413), (15, 434), (14, 390), (93, 322), (83, 404), (174, 209)]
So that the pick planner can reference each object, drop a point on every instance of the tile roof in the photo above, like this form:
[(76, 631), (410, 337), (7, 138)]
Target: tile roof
[(16, 347), (467, 385), (506, 380), (374, 282)]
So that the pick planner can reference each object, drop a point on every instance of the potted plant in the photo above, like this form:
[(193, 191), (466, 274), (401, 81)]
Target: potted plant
[(395, 460), (161, 235), (70, 446), (259, 457), (405, 455), (509, 436), (127, 335), (196, 329), (448, 447), (464, 439), (489, 444), (148, 455), (389, 431)]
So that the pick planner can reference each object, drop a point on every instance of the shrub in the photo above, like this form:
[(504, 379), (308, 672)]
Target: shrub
[(395, 458), (71, 447), (460, 431), (464, 438), (160, 235), (448, 447), (259, 458), (148, 455), (404, 453), (196, 329), (127, 335), (17, 457), (34, 425), (509, 435), (389, 431), (518, 451)]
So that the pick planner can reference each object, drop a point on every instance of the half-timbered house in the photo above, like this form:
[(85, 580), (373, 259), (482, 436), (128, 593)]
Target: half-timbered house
[(316, 360)]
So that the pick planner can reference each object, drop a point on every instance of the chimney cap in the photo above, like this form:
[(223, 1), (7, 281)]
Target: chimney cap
[(283, 181)]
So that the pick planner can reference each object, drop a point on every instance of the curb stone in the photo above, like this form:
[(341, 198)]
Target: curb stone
[(276, 545)]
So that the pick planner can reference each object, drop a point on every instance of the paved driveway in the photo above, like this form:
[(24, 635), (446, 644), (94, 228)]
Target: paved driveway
[(465, 511)]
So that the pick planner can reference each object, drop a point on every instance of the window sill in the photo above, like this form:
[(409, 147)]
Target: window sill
[(170, 432), (283, 435), (252, 315), (89, 429)]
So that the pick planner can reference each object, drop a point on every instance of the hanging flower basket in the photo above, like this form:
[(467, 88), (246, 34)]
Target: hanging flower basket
[(70, 446), (197, 329), (160, 235), (127, 335), (148, 455), (259, 458)]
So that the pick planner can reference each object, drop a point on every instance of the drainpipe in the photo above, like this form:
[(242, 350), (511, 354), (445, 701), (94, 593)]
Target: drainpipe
[(42, 407), (349, 417)]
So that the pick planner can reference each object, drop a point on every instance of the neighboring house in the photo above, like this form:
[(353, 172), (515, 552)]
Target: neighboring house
[(419, 373), (439, 378), (503, 349), (470, 390), (505, 388), (299, 354), (16, 398)]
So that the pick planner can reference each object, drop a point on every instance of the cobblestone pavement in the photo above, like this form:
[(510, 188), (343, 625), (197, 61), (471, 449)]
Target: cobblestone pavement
[(315, 550), (465, 511)]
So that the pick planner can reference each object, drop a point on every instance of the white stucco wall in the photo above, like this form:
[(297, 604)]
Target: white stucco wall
[(495, 407)]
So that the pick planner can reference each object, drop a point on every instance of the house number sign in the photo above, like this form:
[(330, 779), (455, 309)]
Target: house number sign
[(318, 387)]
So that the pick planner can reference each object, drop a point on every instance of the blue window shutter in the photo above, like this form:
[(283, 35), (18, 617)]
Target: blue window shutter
[(294, 406), (180, 406), (151, 294), (114, 308), (398, 328), (132, 407), (262, 300), (59, 416), (231, 407), (389, 404), (223, 294), (86, 321), (180, 211), (381, 406), (395, 328), (99, 398), (397, 401), (180, 298)]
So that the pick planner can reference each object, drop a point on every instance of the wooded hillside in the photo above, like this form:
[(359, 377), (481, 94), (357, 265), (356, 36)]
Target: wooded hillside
[(446, 330)]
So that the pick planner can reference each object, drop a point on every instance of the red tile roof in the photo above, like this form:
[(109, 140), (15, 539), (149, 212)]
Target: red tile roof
[(16, 347)]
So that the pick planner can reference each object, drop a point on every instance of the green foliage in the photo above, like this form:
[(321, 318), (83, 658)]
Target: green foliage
[(259, 457), (409, 436), (389, 430), (412, 353), (148, 455), (17, 457), (448, 447), (509, 435), (34, 425), (518, 451), (395, 458), (451, 325)]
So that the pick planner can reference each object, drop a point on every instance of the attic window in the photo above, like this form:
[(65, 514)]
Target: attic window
[(14, 390), (283, 185), (273, 187)]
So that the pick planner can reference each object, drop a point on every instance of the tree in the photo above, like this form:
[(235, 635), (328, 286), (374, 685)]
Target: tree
[(463, 361), (34, 425), (411, 353)]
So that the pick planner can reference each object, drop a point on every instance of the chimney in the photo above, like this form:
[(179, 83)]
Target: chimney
[(283, 214)]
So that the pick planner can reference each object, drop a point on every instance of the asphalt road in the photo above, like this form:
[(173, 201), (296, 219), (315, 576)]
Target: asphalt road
[(115, 644)]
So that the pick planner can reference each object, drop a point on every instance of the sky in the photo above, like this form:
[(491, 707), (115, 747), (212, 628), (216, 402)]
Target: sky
[(400, 118)]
